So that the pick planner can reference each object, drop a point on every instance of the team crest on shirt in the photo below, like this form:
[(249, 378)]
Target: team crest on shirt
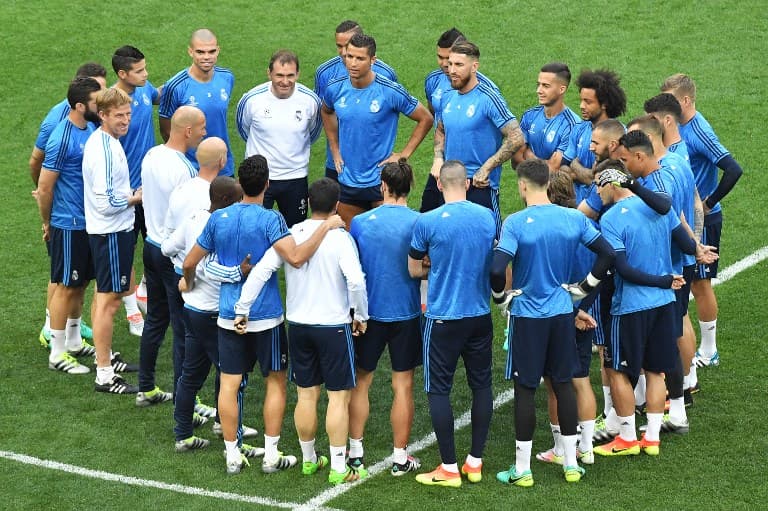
[(438, 94), (192, 101), (299, 115), (145, 99), (75, 275), (375, 107), (224, 95), (551, 136), (471, 110)]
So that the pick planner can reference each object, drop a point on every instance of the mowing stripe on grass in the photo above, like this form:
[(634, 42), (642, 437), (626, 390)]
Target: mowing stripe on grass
[(147, 483)]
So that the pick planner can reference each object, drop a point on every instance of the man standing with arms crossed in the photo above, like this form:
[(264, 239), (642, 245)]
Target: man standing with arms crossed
[(109, 220), (203, 85)]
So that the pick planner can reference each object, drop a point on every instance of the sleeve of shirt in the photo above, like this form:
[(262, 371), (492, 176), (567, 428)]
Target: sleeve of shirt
[(588, 231), (349, 263), (218, 272), (593, 200), (316, 122), (508, 241), (329, 96), (419, 241), (277, 229), (206, 238), (168, 101), (498, 111), (153, 92), (243, 117), (570, 151), (320, 82), (525, 124), (174, 243), (404, 102), (54, 151), (565, 137), (709, 145), (612, 234), (258, 276), (46, 128)]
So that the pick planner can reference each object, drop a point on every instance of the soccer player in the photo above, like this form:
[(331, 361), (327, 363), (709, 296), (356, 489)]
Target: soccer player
[(280, 119), (475, 127), (319, 296), (109, 221), (163, 169), (57, 114), (541, 242), (436, 84), (203, 85), (201, 304), (360, 117), (547, 127), (458, 237), (707, 154), (335, 68), (265, 340), (383, 237), (601, 97), (130, 67), (643, 309), (60, 200)]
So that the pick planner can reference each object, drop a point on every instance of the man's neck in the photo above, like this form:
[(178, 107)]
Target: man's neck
[(77, 119), (395, 201), (176, 144), (536, 198), (319, 216), (259, 199), (672, 135), (471, 84), (688, 114), (363, 81), (650, 169), (199, 75), (208, 174), (125, 87), (454, 195), (603, 117), (552, 110)]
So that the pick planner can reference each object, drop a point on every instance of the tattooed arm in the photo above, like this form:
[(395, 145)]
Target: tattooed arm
[(512, 141)]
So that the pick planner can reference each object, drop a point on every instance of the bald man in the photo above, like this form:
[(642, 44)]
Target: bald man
[(164, 168), (203, 85)]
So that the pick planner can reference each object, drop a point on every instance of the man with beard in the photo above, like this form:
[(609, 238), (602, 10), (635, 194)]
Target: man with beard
[(548, 126), (203, 85), (475, 127), (60, 199)]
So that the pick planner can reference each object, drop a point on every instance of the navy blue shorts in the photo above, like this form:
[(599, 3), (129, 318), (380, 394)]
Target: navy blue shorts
[(643, 340), (322, 354), (601, 311), (292, 197), (238, 354), (445, 341), (366, 198), (139, 223), (402, 337), (331, 174), (713, 226), (488, 197), (683, 295), (71, 263), (432, 197), (584, 340), (542, 347), (112, 256)]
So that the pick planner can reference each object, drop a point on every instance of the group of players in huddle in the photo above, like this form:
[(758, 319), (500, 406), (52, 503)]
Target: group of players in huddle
[(620, 225)]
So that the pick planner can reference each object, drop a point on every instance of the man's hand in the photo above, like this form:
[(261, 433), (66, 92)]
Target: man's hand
[(705, 206), (677, 282), (393, 158), (584, 321), (334, 222), (339, 164), (245, 266), (136, 197), (480, 179), (241, 324), (706, 254), (359, 327), (614, 177), (46, 232), (183, 285), (503, 301), (437, 164)]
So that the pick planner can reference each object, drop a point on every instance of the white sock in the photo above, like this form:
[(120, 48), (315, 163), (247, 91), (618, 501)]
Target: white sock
[(627, 428), (558, 447), (58, 344), (308, 450), (130, 305), (523, 455), (453, 468), (677, 410), (104, 374), (47, 325), (708, 345), (74, 340), (612, 421), (270, 447), (356, 447), (474, 462), (233, 451), (587, 430), (693, 378), (686, 381), (568, 443), (640, 391), (654, 426), (142, 288), (399, 455), (607, 400), (338, 463)]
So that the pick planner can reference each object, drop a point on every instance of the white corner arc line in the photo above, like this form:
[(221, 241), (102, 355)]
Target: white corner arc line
[(148, 483)]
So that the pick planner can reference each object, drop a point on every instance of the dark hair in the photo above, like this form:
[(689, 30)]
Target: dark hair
[(347, 26), (91, 69), (360, 40), (449, 38), (647, 124), (559, 69), (467, 48), (560, 190), (80, 90), (323, 195), (665, 104), (534, 170), (223, 192), (284, 57), (125, 57), (398, 176), (606, 84), (611, 163), (637, 140), (253, 175), (611, 127)]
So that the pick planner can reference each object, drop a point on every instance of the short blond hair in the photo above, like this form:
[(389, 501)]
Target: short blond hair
[(680, 84), (111, 98)]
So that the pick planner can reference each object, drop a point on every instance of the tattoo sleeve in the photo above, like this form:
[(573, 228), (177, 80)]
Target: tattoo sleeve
[(512, 141)]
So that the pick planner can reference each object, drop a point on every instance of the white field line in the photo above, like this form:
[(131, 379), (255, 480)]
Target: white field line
[(147, 483), (317, 502)]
